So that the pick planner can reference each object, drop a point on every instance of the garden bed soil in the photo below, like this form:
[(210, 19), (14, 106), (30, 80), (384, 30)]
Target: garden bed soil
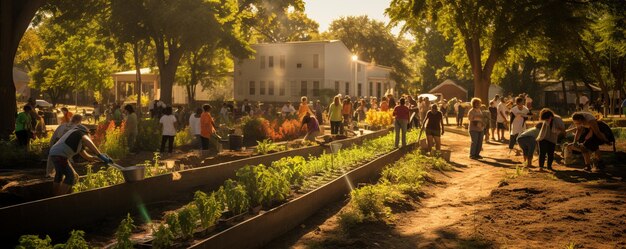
[(484, 204)]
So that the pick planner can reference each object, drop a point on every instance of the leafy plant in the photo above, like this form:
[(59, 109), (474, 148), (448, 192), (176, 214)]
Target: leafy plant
[(171, 219), (250, 177), (163, 237), (379, 119), (209, 208), (183, 137), (291, 168), (266, 146), (115, 142), (149, 135), (235, 197), (34, 242), (76, 240), (123, 233), (187, 218), (274, 187)]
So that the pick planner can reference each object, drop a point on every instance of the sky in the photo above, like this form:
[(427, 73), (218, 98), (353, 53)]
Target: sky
[(325, 11)]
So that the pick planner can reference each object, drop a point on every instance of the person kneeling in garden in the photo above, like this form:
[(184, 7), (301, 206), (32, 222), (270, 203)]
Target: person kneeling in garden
[(312, 126), (75, 141)]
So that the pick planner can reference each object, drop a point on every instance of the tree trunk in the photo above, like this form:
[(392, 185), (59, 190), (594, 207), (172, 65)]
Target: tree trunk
[(167, 68), (138, 85), (15, 15)]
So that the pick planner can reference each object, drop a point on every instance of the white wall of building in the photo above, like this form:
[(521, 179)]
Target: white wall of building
[(292, 67)]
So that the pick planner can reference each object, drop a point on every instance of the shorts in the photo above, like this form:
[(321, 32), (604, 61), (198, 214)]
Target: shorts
[(433, 132), (501, 126), (593, 144), (64, 171), (492, 123), (528, 145)]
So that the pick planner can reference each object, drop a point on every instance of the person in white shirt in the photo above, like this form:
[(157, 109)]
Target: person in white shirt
[(584, 102), (223, 113), (501, 119), (194, 125), (168, 123), (519, 113), (288, 109)]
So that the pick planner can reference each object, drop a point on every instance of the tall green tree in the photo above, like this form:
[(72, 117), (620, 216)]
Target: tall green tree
[(291, 26), (203, 67), (15, 16), (485, 31), (371, 40), (179, 26)]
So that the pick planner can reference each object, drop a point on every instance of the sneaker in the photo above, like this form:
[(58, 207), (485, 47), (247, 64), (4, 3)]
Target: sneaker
[(478, 157), (588, 167)]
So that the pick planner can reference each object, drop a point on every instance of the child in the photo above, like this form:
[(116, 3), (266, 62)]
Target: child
[(168, 124)]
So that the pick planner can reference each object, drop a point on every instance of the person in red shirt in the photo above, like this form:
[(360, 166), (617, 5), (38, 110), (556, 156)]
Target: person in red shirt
[(207, 126), (67, 115), (401, 113)]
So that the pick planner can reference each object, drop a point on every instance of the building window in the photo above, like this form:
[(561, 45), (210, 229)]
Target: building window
[(270, 87), (281, 89), (316, 61), (282, 62), (371, 89), (337, 87), (316, 88), (303, 88), (262, 87), (262, 62), (358, 90), (270, 62), (378, 86), (299, 65), (252, 88), (347, 87)]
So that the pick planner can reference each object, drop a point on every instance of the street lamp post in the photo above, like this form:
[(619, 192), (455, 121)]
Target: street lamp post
[(355, 59)]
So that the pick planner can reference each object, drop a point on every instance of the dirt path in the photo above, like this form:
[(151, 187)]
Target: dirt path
[(439, 220), (488, 204)]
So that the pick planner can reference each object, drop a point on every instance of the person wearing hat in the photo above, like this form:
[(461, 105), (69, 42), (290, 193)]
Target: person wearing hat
[(75, 141)]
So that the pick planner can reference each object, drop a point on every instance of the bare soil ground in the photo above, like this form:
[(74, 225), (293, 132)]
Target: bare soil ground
[(486, 204)]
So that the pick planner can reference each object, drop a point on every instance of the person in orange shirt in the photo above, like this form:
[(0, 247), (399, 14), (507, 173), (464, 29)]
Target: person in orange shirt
[(67, 115), (384, 105), (207, 126), (303, 108)]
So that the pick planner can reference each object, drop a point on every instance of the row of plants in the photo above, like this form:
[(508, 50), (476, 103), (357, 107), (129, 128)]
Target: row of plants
[(111, 176), (399, 183), (379, 119), (75, 241), (254, 187)]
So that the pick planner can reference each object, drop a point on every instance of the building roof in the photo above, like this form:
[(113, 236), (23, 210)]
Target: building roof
[(144, 71), (447, 82)]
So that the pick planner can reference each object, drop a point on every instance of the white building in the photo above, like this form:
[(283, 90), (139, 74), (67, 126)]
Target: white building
[(283, 72)]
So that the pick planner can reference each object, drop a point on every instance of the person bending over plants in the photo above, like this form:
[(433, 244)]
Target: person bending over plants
[(312, 126), (75, 141), (590, 134)]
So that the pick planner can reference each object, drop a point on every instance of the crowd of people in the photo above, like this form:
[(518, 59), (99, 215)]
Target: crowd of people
[(513, 114), (343, 113)]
